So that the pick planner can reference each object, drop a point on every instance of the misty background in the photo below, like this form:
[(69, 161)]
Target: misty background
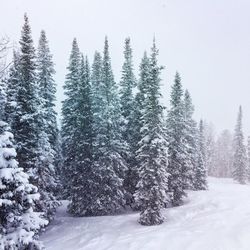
[(207, 41)]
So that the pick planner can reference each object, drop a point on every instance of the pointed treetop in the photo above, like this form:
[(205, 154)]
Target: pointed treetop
[(177, 77), (188, 103)]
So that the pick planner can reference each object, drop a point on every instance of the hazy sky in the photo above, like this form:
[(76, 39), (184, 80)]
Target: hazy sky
[(207, 41)]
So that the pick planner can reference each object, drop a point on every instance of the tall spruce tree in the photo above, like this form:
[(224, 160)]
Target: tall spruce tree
[(82, 188), (176, 143), (248, 158), (70, 118), (190, 141), (19, 223), (3, 99), (48, 131), (137, 123), (200, 182), (24, 124), (127, 85), (13, 82), (239, 152), (47, 90), (109, 147), (151, 193)]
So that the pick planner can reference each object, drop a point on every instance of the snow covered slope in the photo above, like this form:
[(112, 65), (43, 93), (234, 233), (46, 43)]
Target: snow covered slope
[(218, 219)]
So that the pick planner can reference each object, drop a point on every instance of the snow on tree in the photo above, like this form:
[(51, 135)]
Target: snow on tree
[(47, 179), (137, 124), (24, 125), (127, 86), (82, 180), (177, 148), (108, 144), (210, 158), (13, 81), (200, 174), (223, 155), (151, 194), (70, 118), (248, 158), (19, 223), (47, 90), (3, 99), (239, 152), (190, 141)]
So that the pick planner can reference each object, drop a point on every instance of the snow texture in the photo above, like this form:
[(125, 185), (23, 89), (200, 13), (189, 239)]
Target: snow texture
[(217, 219)]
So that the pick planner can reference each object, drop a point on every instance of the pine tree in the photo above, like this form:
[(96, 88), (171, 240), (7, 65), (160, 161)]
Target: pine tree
[(200, 175), (210, 159), (19, 223), (189, 141), (70, 118), (24, 125), (48, 132), (109, 147), (151, 194), (223, 155), (47, 90), (82, 188), (128, 83), (248, 158), (13, 82), (137, 124), (239, 155), (176, 143), (3, 99)]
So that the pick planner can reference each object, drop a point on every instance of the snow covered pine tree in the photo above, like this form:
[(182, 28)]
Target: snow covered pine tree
[(239, 152), (47, 180), (151, 193), (177, 150), (108, 145), (19, 223), (127, 86), (200, 175)]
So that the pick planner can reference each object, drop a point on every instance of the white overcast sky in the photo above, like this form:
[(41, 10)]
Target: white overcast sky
[(207, 41)]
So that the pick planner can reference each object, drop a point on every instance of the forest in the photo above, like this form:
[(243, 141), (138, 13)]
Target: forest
[(116, 148)]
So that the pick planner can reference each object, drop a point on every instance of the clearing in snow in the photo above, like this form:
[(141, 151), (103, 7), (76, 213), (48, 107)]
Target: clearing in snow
[(217, 219)]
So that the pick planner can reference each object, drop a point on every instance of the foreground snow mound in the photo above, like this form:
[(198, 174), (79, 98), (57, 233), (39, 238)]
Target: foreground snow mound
[(218, 219)]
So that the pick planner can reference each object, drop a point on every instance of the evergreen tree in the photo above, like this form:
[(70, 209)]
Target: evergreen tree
[(19, 223), (210, 159), (177, 143), (70, 118), (151, 194), (2, 99), (223, 155), (13, 83), (239, 154), (24, 125), (248, 158), (82, 188), (48, 133), (189, 141), (47, 90), (200, 176), (109, 147), (128, 83), (137, 123)]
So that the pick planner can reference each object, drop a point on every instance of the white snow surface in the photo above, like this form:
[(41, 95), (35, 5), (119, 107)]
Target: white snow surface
[(217, 219)]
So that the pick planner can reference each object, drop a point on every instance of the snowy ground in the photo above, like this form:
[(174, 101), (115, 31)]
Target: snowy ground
[(218, 219)]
